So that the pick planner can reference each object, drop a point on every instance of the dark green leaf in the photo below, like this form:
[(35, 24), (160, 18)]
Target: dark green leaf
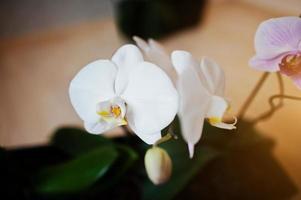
[(77, 174), (119, 170), (75, 141)]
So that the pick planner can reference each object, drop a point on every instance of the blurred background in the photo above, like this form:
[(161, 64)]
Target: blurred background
[(43, 43)]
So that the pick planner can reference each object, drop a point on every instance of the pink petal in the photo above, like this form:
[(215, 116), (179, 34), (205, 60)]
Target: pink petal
[(277, 36), (269, 65), (297, 81)]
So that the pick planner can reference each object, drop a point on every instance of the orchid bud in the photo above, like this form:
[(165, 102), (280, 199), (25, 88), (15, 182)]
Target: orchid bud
[(158, 165)]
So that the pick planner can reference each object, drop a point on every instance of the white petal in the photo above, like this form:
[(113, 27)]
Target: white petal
[(156, 54), (224, 125), (194, 98), (191, 149), (127, 55), (217, 108), (126, 58), (214, 76), (183, 59), (152, 100), (98, 127), (92, 84), (142, 44), (149, 138)]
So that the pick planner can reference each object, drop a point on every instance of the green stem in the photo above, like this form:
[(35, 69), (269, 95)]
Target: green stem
[(165, 138)]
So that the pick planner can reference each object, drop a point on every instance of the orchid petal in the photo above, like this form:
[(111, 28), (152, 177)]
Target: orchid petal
[(149, 138), (184, 58), (216, 111), (92, 84), (156, 54), (297, 81), (151, 104), (191, 149), (99, 127), (142, 44), (214, 76), (224, 125), (218, 107), (126, 59), (277, 36), (194, 103), (269, 65)]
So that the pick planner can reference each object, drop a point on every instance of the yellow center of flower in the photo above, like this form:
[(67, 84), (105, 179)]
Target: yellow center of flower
[(214, 120), (116, 111), (291, 65), (113, 114)]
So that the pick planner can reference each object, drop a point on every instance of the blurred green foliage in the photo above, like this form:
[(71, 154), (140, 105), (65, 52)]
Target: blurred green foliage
[(77, 165), (76, 174)]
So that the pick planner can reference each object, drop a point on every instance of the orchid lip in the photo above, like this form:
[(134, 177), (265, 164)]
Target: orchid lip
[(218, 122), (112, 111), (291, 64)]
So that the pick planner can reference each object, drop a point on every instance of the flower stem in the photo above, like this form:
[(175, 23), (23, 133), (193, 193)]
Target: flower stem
[(273, 107), (251, 97), (283, 97), (163, 139)]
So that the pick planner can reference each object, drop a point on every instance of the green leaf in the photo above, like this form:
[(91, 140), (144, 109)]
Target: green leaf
[(77, 174), (76, 141), (126, 159)]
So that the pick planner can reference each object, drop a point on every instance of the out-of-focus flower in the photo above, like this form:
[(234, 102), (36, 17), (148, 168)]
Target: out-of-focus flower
[(201, 88), (158, 165), (156, 53), (124, 90), (278, 47)]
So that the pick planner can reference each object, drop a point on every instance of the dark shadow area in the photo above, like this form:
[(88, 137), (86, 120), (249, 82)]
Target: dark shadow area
[(246, 169), (157, 18)]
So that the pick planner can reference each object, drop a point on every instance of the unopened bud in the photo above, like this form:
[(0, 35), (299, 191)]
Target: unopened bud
[(158, 165)]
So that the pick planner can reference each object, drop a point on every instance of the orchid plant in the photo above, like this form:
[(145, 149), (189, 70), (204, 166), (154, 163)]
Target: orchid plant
[(146, 95), (158, 96), (127, 90), (278, 49)]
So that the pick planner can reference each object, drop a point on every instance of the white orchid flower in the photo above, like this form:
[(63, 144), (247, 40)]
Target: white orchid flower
[(156, 53), (201, 87), (125, 90)]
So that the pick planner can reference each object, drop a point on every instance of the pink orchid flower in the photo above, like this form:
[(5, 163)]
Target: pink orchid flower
[(278, 47)]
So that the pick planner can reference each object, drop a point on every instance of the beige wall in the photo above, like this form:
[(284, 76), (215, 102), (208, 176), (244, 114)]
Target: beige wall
[(283, 7)]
